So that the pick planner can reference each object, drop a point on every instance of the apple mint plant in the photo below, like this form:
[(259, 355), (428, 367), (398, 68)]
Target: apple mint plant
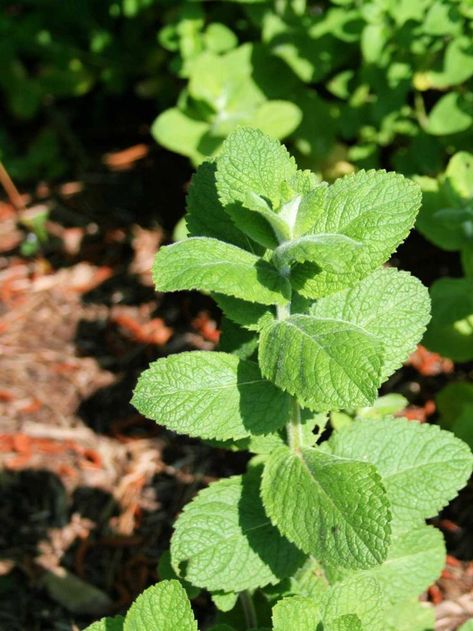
[(446, 219), (317, 534)]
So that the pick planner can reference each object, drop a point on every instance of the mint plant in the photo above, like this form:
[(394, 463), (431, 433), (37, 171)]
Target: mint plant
[(317, 534), (446, 220), (223, 94), (455, 407), (375, 83)]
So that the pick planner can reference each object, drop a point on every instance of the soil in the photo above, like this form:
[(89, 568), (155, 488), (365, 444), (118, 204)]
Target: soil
[(90, 489)]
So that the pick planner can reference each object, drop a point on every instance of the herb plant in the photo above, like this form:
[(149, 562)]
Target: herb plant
[(318, 533), (446, 220), (377, 83), (223, 94), (455, 407)]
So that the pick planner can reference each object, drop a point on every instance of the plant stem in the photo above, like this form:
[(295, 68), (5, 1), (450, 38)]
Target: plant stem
[(467, 261), (10, 189), (295, 435), (283, 311), (249, 611), (294, 428), (421, 114)]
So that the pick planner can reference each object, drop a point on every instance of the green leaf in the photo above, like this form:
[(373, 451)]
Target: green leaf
[(205, 215), (468, 626), (224, 82), (210, 395), (376, 208), (349, 622), (208, 264), (166, 572), (247, 314), (164, 606), (373, 41), (455, 406), (450, 331), (448, 228), (327, 364), (223, 539), (410, 615), (259, 224), (459, 176), (422, 466), (253, 165), (219, 38), (452, 400), (236, 340), (387, 405), (310, 208), (360, 596), (224, 601), (276, 118), (391, 305), (463, 427), (332, 252), (107, 624), (457, 64), (442, 19), (181, 133), (296, 613), (333, 508), (452, 114), (446, 217), (415, 560), (309, 580)]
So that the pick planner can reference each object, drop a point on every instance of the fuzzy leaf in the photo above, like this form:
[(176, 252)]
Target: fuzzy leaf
[(210, 395), (247, 314), (208, 264), (310, 208), (296, 613), (450, 331), (254, 225), (107, 624), (236, 340), (415, 560), (333, 252), (252, 165), (163, 607), (375, 208), (391, 305), (327, 364), (422, 466), (411, 615), (206, 216), (223, 539), (349, 622), (360, 596), (309, 580), (333, 508)]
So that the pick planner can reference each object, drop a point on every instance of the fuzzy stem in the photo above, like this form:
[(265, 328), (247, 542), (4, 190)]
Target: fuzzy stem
[(294, 428), (295, 435), (249, 611)]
